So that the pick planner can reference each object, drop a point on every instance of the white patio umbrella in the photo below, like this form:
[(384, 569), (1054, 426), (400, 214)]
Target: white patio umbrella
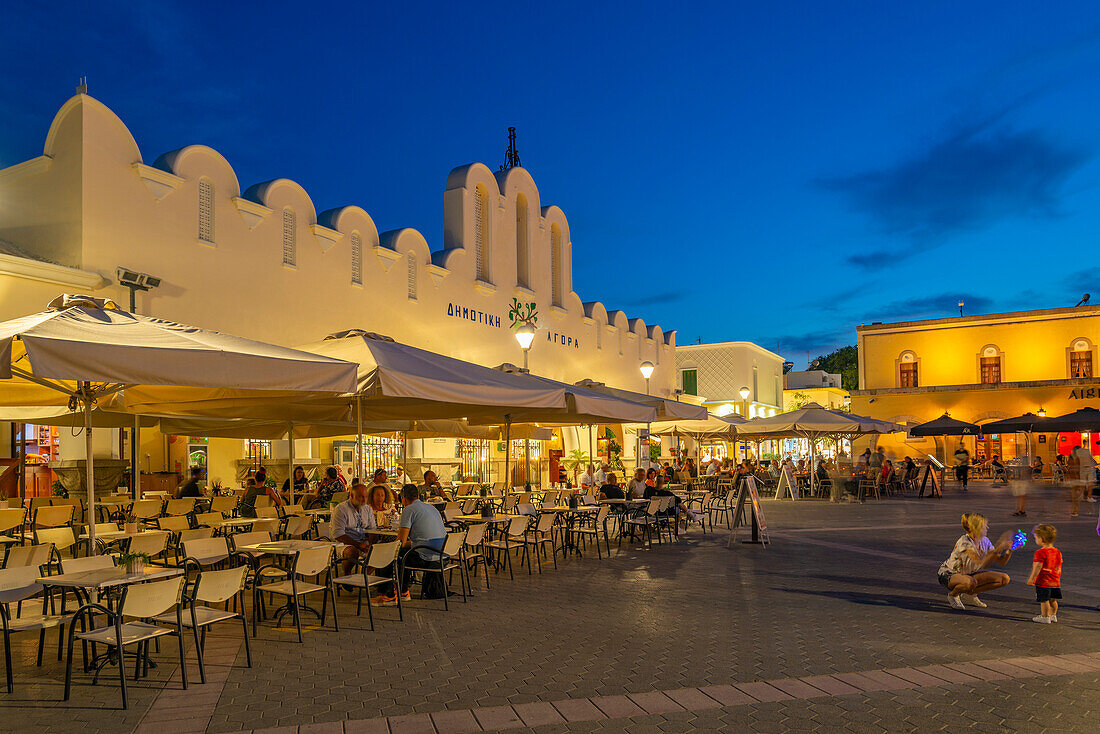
[(83, 351), (723, 427), (813, 423)]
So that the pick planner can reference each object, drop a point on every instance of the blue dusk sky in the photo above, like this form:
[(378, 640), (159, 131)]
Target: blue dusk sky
[(777, 172)]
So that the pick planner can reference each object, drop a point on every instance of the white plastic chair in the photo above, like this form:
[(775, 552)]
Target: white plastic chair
[(381, 555), (17, 584), (310, 563), (138, 602)]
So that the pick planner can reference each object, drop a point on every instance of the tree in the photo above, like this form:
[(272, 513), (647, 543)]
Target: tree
[(845, 361)]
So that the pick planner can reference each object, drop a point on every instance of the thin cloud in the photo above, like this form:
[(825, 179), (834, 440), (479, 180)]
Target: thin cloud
[(973, 176), (936, 306), (656, 298)]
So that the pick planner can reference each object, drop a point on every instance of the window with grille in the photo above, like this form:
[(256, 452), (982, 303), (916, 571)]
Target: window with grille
[(474, 454), (206, 210), (258, 452), (481, 233), (1080, 363), (356, 258), (658, 350), (908, 374), (991, 370), (381, 452), (290, 238), (599, 335), (412, 276), (555, 267), (522, 273), (755, 383), (689, 382), (621, 337)]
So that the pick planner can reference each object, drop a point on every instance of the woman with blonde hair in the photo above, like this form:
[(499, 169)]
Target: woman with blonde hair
[(963, 574)]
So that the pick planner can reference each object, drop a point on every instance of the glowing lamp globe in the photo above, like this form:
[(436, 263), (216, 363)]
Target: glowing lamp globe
[(646, 369), (744, 393), (525, 335)]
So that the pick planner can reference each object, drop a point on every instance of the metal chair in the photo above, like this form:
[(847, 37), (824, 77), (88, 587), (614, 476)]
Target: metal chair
[(17, 585), (382, 555), (311, 563)]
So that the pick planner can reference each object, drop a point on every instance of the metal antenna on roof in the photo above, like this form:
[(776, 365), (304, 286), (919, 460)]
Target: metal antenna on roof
[(511, 158), (1083, 301), (82, 86)]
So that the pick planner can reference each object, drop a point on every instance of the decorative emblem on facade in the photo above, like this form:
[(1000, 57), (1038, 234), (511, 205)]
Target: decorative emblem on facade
[(521, 313)]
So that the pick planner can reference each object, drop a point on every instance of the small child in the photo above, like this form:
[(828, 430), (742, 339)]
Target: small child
[(1046, 574)]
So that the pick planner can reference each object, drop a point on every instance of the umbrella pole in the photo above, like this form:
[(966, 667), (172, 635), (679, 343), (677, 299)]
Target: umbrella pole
[(405, 454), (591, 456), (21, 445), (359, 436), (135, 460), (507, 448), (527, 460), (290, 461), (89, 465)]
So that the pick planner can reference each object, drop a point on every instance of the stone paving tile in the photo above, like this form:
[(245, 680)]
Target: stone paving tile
[(760, 691), (412, 724), (617, 707), (497, 717), (655, 702), (455, 722), (915, 676), (578, 710), (367, 726), (692, 699), (537, 714), (796, 688), (830, 685), (948, 674)]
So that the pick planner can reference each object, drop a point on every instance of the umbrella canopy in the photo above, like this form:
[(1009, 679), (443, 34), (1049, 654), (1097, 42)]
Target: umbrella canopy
[(83, 350), (1026, 423), (712, 426), (63, 416), (82, 339), (814, 421), (945, 425), (1085, 419), (667, 409), (583, 405)]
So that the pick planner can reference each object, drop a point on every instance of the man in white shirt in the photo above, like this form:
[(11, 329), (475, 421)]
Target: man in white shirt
[(601, 474), (351, 520), (588, 479), (712, 466)]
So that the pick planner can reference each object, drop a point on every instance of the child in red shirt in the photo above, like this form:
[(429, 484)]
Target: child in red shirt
[(1046, 574)]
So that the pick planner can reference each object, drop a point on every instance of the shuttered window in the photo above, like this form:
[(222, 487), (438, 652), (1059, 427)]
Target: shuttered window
[(412, 276), (290, 238), (356, 258), (481, 233), (206, 210)]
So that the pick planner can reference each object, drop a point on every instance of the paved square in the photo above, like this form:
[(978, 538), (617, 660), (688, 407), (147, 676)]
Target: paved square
[(838, 625)]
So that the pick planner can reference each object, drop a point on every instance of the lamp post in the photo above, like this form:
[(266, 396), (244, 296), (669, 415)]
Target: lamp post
[(1042, 412), (744, 393), (525, 335), (646, 368)]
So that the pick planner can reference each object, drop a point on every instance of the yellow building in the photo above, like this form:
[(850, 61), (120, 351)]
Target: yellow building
[(814, 386), (981, 369)]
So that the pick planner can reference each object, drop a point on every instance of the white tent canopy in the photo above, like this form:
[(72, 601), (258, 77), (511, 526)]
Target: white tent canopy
[(84, 350), (713, 426), (667, 409)]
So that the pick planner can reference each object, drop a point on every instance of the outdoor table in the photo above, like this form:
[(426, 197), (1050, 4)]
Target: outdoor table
[(5, 540), (118, 534), (479, 518), (234, 522), (103, 579), (319, 512)]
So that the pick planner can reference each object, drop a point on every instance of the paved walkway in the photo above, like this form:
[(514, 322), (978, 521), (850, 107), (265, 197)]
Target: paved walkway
[(838, 625)]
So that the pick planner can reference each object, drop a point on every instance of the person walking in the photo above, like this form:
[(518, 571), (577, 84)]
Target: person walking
[(962, 466)]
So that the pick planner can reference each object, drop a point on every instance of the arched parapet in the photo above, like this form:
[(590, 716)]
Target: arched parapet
[(283, 192), (515, 181), (87, 118), (596, 311), (348, 219), (194, 162)]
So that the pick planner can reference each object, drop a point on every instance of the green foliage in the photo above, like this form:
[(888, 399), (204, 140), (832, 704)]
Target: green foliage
[(575, 460), (844, 361), (655, 451), (798, 401), (59, 490)]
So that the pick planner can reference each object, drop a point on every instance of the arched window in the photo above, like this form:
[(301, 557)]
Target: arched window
[(907, 370), (412, 276), (206, 210), (555, 266), (290, 238), (1080, 359), (356, 258), (990, 365), (523, 277), (481, 233)]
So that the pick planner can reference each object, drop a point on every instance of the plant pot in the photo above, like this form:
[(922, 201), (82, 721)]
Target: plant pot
[(135, 566), (131, 528)]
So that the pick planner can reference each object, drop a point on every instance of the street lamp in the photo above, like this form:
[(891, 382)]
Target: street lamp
[(525, 335), (646, 369), (1042, 412)]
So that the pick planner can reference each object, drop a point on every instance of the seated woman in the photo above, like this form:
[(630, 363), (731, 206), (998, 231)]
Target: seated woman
[(379, 500), (612, 490), (330, 485), (254, 489), (964, 573), (1037, 468), (998, 467), (301, 485), (658, 490)]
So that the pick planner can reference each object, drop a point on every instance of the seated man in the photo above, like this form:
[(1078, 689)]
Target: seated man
[(611, 490), (636, 486), (433, 487), (421, 525), (351, 520)]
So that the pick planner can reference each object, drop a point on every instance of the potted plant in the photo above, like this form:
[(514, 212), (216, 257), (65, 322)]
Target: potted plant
[(575, 461), (59, 490), (134, 562)]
